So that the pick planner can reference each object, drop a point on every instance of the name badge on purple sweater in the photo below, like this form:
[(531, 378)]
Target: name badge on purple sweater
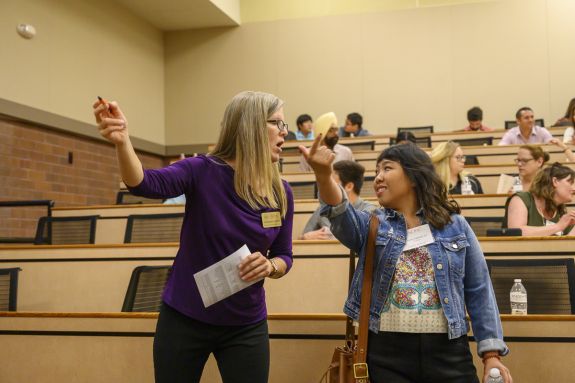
[(271, 219)]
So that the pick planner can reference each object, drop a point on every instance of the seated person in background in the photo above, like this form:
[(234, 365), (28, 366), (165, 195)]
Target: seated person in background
[(181, 199), (449, 162), (530, 159), (526, 132), (405, 137), (348, 174), (568, 135), (475, 119), (304, 128), (541, 211), (353, 126), (326, 125), (567, 119)]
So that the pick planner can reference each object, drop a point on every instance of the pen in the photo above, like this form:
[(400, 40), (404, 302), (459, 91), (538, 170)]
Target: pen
[(103, 101)]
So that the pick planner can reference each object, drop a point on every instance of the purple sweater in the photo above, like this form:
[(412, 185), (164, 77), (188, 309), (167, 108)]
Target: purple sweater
[(217, 222)]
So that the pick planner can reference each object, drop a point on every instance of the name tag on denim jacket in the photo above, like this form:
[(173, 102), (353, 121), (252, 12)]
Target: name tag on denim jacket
[(418, 236)]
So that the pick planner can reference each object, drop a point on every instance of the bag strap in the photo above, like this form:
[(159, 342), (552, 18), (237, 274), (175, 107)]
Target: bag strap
[(349, 328), (360, 356)]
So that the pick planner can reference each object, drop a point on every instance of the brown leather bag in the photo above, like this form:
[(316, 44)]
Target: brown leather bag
[(349, 362)]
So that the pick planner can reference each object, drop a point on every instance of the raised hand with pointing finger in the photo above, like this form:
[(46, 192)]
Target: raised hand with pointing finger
[(320, 158)]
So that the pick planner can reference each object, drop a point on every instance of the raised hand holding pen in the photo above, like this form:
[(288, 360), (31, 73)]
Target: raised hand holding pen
[(113, 126), (112, 123)]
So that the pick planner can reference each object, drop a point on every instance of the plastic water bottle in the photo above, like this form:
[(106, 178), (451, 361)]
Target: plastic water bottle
[(494, 376), (518, 298), (517, 185), (466, 186)]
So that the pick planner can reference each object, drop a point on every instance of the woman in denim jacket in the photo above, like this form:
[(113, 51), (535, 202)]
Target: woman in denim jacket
[(428, 269)]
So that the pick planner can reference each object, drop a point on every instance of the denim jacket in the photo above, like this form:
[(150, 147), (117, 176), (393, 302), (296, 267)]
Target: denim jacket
[(461, 273)]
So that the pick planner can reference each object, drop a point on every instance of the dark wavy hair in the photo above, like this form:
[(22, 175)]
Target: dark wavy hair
[(570, 109), (542, 186), (430, 190)]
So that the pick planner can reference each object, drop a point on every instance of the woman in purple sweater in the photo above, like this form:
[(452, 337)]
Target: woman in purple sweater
[(234, 197)]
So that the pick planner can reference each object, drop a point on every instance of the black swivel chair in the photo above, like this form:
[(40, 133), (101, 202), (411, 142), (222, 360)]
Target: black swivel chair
[(471, 160), (145, 290), (416, 129), (292, 149), (363, 145), (479, 141), (66, 230), (9, 289), (124, 197), (510, 124), (303, 189), (550, 284), (148, 228), (480, 225), (513, 123), (422, 142)]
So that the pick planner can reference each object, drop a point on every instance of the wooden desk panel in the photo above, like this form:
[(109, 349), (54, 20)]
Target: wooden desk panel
[(110, 228), (95, 278), (98, 348), (436, 138)]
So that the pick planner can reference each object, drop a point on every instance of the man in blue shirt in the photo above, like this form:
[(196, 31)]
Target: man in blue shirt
[(353, 126), (304, 128)]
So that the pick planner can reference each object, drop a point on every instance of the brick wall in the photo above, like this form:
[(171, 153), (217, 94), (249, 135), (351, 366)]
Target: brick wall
[(34, 165)]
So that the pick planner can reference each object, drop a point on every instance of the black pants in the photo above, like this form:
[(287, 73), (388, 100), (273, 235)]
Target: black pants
[(419, 358), (182, 347)]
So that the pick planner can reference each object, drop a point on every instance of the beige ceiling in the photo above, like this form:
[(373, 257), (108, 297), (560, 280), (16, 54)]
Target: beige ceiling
[(172, 15)]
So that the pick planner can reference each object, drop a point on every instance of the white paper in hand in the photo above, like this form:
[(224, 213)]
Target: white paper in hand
[(505, 183), (222, 279)]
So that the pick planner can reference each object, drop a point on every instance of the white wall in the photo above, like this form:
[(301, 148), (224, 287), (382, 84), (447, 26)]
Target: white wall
[(400, 68), (83, 49)]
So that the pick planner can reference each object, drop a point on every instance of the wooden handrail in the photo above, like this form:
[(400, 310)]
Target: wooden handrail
[(279, 316), (295, 241), (155, 205), (125, 206)]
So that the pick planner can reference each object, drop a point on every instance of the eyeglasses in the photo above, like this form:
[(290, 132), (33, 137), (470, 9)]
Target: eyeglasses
[(522, 161), (460, 158), (282, 126)]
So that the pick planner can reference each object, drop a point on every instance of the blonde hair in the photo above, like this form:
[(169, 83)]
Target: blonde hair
[(244, 138), (440, 156)]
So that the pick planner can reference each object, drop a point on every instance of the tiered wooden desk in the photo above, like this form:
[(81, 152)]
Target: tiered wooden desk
[(94, 278), (112, 347), (69, 328), (382, 140), (486, 155), (112, 223), (99, 346)]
